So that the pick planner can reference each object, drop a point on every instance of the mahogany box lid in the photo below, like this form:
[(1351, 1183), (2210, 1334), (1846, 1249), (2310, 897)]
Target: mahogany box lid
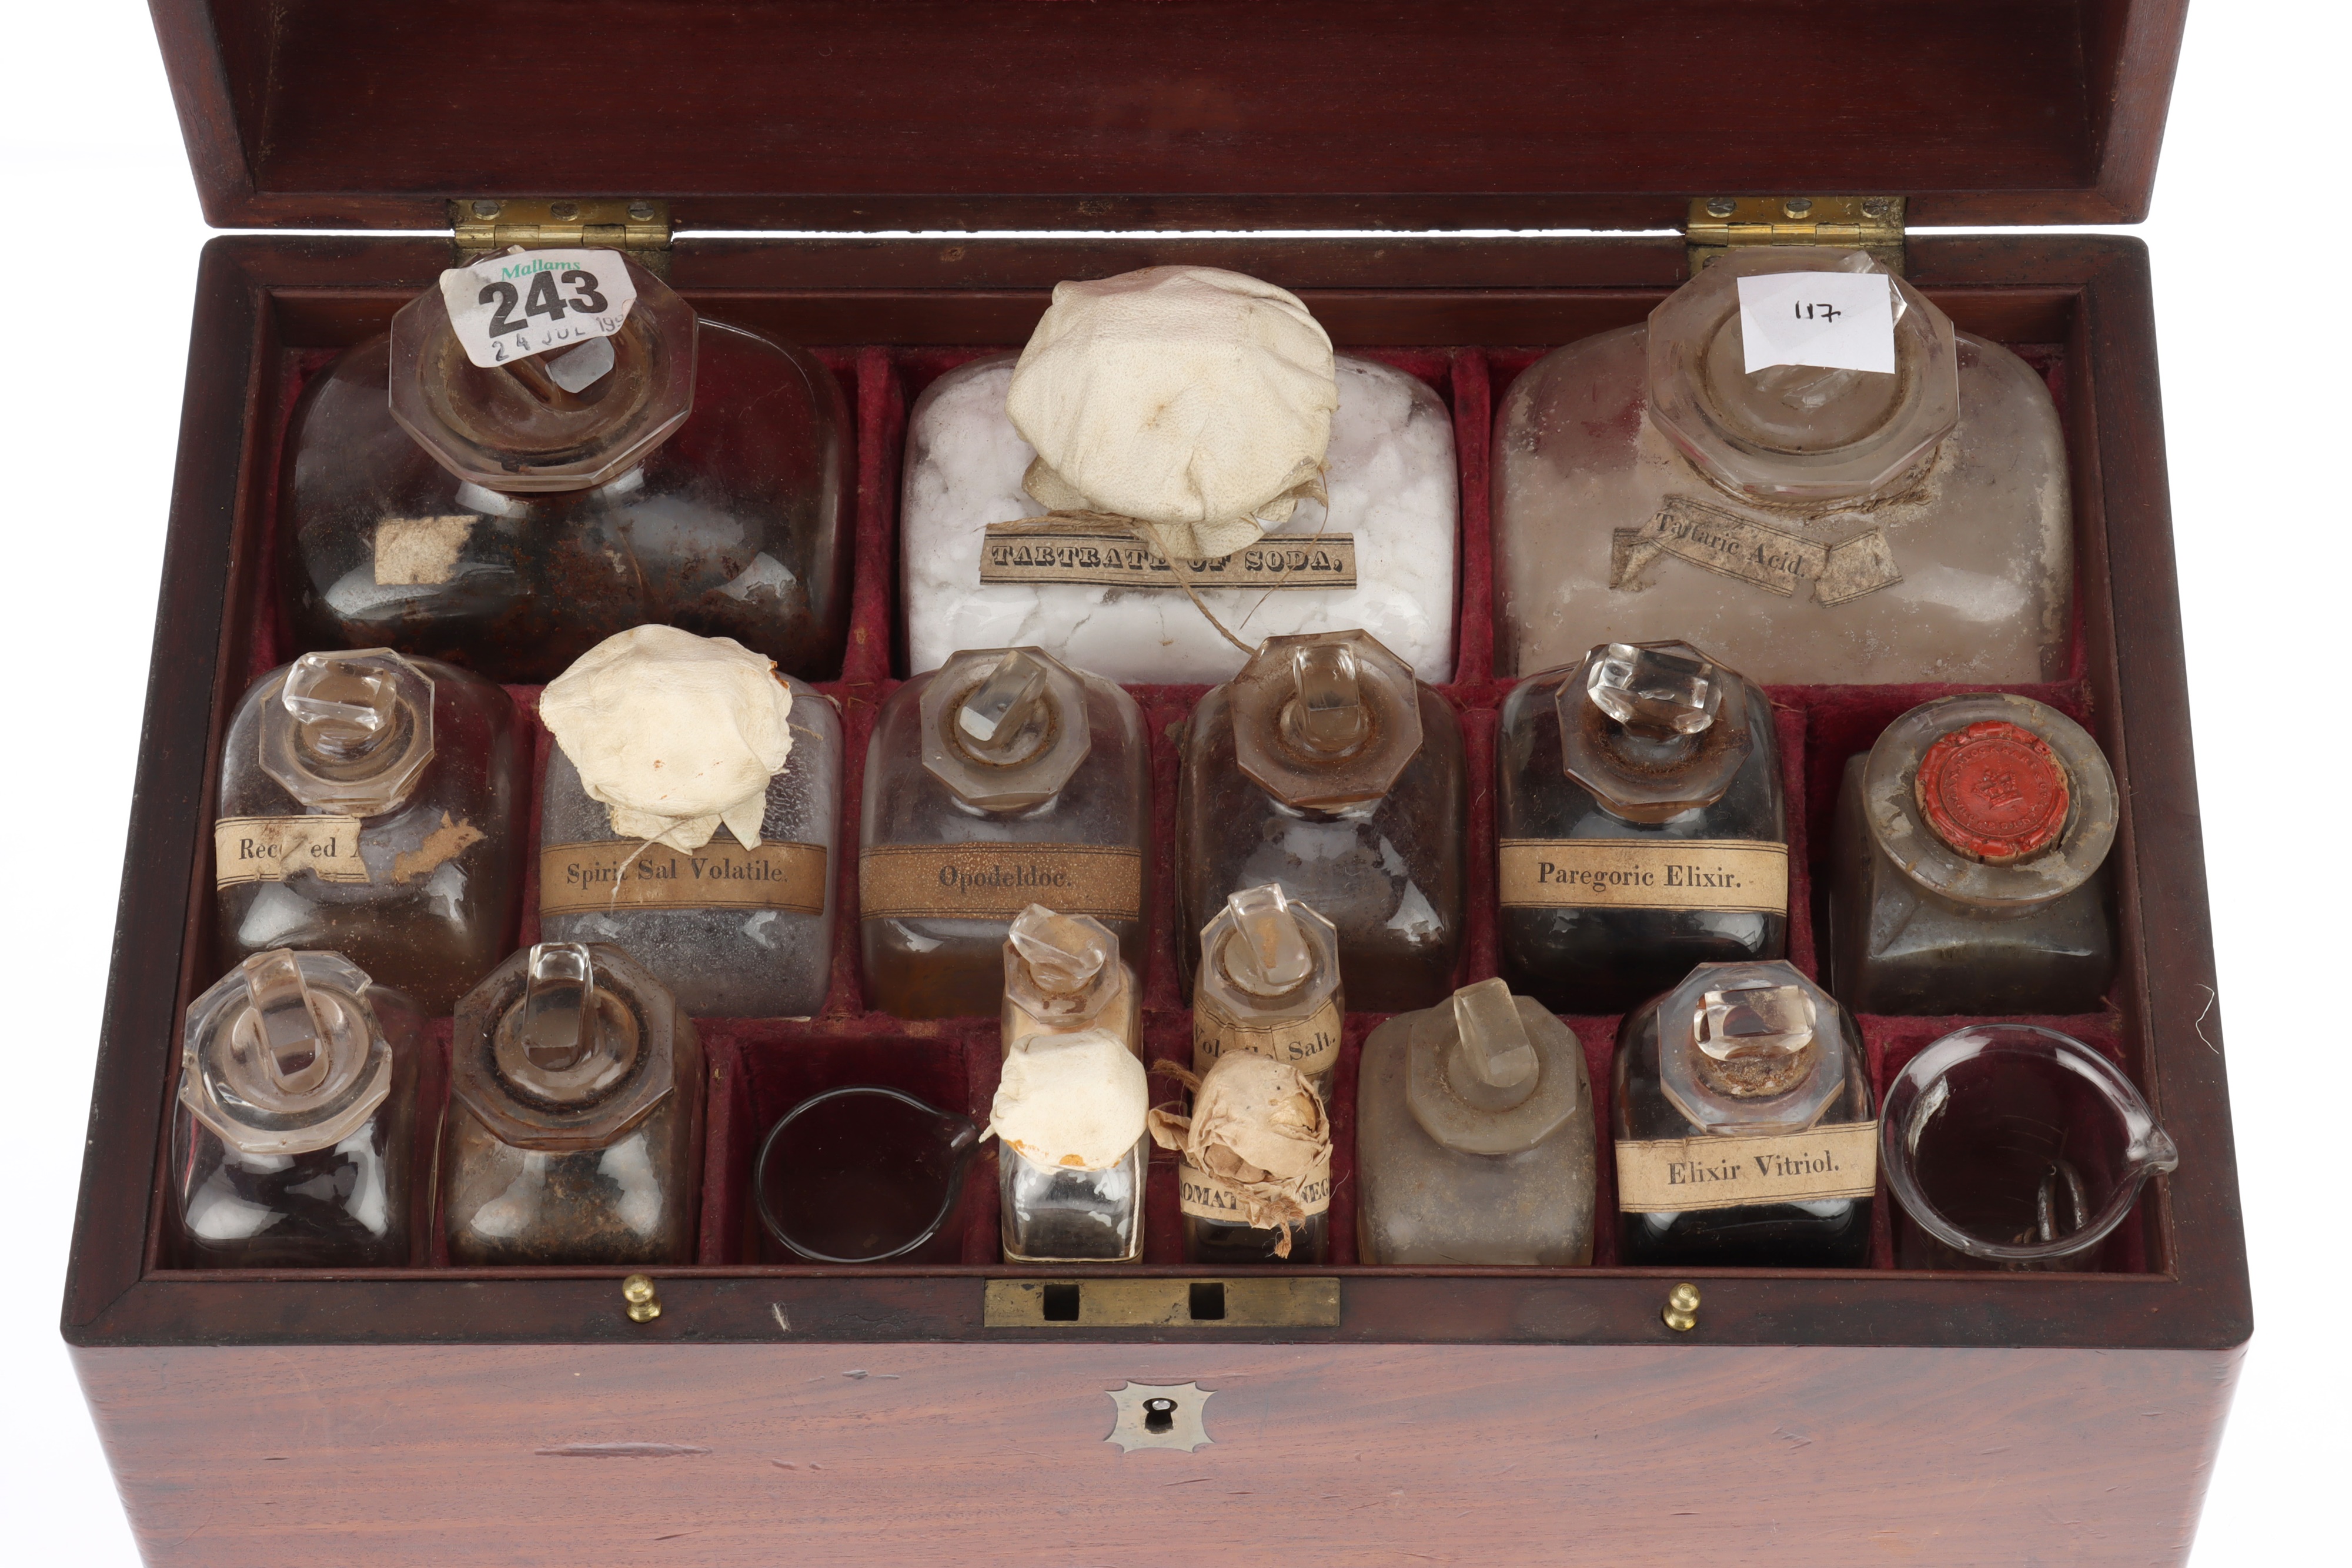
[(1129, 114)]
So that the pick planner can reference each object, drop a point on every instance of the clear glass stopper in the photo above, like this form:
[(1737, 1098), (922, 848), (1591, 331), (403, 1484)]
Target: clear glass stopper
[(1063, 955), (1331, 714), (1494, 1044), (1268, 953), (342, 704), (1655, 691), (995, 715), (559, 1007), (293, 1034), (1755, 1021)]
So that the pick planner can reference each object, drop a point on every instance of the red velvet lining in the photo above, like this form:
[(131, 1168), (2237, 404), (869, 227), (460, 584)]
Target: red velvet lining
[(760, 1068)]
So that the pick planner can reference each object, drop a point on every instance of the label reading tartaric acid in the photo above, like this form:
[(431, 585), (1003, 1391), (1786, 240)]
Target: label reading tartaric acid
[(272, 849), (1206, 1197), (1105, 556), (1741, 548), (1672, 1174), (508, 307), (997, 882), (1310, 1044), (585, 879), (1644, 873), (1836, 320)]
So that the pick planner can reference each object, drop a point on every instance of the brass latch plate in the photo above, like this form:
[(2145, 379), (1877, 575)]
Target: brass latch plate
[(483, 226), (1718, 224), (1306, 1301)]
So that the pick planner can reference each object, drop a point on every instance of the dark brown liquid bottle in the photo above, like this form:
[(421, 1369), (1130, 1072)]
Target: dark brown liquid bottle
[(1324, 766), (374, 805), (498, 520), (1643, 826)]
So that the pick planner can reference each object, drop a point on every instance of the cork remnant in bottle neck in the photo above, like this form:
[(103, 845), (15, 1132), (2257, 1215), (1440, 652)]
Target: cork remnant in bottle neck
[(1653, 729), (349, 732)]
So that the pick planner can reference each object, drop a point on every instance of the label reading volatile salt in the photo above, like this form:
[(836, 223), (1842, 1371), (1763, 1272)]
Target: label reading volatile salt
[(1670, 1175), (1104, 555), (1835, 320), (508, 307), (1206, 1197), (1310, 1044), (272, 849), (598, 878), (998, 880), (1737, 874)]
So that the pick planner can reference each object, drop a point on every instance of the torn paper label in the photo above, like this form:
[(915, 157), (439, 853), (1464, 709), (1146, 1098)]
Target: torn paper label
[(1310, 1044), (1771, 558), (1836, 320), (412, 552), (1206, 1195), (508, 307), (272, 849)]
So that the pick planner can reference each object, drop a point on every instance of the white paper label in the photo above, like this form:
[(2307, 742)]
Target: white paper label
[(526, 302), (1836, 320)]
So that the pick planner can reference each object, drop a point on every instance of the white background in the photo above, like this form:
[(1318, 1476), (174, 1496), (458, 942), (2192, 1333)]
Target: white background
[(2254, 301)]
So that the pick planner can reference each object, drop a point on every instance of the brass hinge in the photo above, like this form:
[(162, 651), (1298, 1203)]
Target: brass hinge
[(488, 224), (1718, 224)]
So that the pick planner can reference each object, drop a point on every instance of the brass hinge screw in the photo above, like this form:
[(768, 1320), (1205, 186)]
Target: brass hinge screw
[(644, 1306), (1682, 1309)]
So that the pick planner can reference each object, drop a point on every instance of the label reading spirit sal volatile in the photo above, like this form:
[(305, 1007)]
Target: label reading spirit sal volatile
[(998, 880), (1732, 874), (585, 879)]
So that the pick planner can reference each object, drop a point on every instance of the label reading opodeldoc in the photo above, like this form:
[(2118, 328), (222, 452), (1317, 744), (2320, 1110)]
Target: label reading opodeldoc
[(1669, 1176), (998, 880), (508, 307), (272, 849), (598, 878), (1310, 1044), (1836, 320), (1730, 875)]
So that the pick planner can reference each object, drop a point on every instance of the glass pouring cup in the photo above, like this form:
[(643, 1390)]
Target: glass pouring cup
[(862, 1175)]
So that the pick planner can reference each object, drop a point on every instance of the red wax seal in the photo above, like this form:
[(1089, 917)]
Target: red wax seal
[(1993, 791)]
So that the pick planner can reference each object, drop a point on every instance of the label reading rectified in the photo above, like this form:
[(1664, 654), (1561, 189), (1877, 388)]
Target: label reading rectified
[(272, 849), (585, 879), (1310, 1044), (508, 307), (1645, 873), (998, 880), (1672, 1174), (1105, 555), (1206, 1197)]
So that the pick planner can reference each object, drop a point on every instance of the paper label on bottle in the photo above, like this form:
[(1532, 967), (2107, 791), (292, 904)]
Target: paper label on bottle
[(1737, 875), (598, 878), (272, 849), (1836, 320), (1672, 1174), (1206, 1197), (998, 880), (506, 307), (412, 552), (1104, 555), (1771, 558), (1310, 1044)]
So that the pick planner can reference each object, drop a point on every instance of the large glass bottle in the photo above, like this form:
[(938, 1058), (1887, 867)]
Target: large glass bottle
[(1475, 1136), (1967, 863), (1810, 525), (1063, 974), (1643, 826), (499, 519), (1326, 769), (1001, 779), (1269, 985), (292, 1141), (374, 805), (1742, 1113), (575, 1118), (1071, 1152)]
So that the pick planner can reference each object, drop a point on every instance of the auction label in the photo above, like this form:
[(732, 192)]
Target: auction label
[(1672, 1174), (1737, 874), (627, 873), (509, 308), (1108, 556), (1206, 1197), (272, 849), (1310, 1044), (1834, 321), (998, 880)]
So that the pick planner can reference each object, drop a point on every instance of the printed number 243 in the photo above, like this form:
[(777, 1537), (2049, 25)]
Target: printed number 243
[(542, 299)]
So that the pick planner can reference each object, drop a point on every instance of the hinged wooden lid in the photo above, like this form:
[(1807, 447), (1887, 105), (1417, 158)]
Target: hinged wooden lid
[(1169, 113)]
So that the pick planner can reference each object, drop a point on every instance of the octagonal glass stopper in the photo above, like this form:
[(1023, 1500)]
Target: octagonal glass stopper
[(1754, 1022), (1655, 693), (1330, 716), (1494, 1044), (1004, 709), (559, 1007), (1063, 955), (292, 1035), (1267, 953)]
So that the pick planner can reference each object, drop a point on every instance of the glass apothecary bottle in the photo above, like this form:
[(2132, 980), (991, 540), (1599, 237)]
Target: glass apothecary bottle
[(1001, 779), (1325, 769), (292, 1141), (1813, 526), (1253, 1164), (740, 926), (1268, 985), (1063, 974), (374, 806), (1475, 1136), (575, 1119), (1742, 1113), (1967, 863), (1643, 826), (1071, 1153), (508, 518)]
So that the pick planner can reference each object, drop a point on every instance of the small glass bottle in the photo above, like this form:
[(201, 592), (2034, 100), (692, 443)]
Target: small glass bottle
[(505, 520), (293, 1143), (1063, 974), (374, 805), (575, 1128), (1001, 779), (1643, 826), (1269, 985), (1815, 526), (733, 933), (1742, 1113), (1071, 1150), (1254, 1164), (1475, 1136), (1326, 769), (1967, 863)]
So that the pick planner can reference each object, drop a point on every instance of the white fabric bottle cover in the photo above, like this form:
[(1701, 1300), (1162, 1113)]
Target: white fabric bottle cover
[(675, 733), (1189, 398), (1071, 1101)]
